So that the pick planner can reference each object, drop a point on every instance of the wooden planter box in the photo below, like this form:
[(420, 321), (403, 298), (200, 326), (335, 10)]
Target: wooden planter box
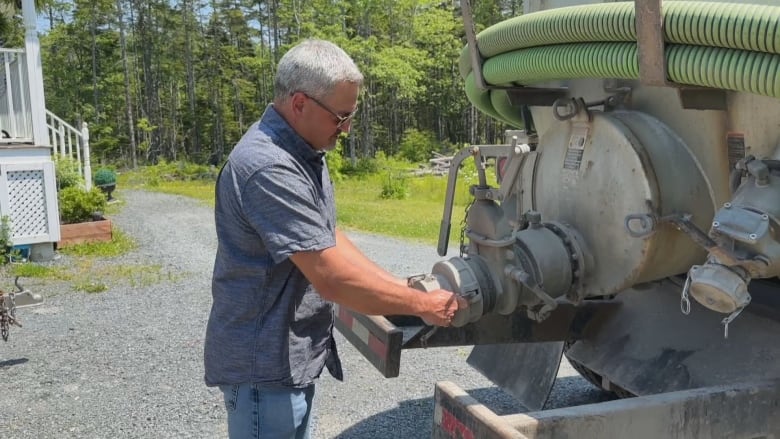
[(78, 233)]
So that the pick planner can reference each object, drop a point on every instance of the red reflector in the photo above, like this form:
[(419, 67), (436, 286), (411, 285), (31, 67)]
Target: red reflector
[(501, 168), (345, 317), (454, 427), (377, 346)]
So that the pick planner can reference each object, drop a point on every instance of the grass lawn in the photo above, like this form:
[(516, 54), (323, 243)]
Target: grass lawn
[(417, 216)]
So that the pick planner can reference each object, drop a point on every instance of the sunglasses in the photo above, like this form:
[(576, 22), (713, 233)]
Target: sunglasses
[(342, 119)]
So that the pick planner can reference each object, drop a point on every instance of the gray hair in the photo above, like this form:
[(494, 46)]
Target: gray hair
[(314, 67)]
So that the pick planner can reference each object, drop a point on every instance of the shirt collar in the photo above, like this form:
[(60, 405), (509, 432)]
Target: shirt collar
[(274, 125)]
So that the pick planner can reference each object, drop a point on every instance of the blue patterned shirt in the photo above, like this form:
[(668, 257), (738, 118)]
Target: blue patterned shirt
[(267, 324)]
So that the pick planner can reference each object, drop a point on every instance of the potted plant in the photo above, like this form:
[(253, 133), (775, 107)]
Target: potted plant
[(105, 179), (81, 216)]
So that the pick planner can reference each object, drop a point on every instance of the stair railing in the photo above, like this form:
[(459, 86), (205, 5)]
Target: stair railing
[(71, 142)]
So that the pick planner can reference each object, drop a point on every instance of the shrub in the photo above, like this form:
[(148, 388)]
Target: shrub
[(78, 205), (394, 188), (5, 239), (418, 146), (335, 161), (363, 167), (104, 177), (66, 171)]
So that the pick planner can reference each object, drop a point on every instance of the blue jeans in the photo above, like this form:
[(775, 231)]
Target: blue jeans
[(256, 411)]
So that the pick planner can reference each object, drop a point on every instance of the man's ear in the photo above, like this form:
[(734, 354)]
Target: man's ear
[(297, 101)]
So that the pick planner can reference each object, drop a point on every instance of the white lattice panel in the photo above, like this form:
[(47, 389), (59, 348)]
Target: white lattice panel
[(27, 203)]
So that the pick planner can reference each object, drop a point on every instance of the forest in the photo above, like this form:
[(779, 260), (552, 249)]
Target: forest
[(168, 80)]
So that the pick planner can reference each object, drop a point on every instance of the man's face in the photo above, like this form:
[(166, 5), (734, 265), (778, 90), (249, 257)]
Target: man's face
[(324, 119)]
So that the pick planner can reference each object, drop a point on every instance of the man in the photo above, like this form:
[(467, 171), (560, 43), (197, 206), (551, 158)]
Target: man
[(280, 259)]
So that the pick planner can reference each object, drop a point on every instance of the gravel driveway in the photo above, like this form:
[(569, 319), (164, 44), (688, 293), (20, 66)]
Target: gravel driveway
[(127, 362)]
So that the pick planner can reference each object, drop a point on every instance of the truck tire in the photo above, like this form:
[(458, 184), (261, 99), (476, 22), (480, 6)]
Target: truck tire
[(594, 378)]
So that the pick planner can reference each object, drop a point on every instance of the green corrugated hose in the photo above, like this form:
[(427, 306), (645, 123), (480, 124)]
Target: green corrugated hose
[(728, 46)]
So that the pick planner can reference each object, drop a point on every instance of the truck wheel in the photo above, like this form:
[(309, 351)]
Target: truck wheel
[(594, 378)]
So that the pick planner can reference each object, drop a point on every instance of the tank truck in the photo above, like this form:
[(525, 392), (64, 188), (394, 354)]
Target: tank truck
[(634, 227)]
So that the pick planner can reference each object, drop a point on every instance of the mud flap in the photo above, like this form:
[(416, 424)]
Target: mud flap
[(533, 371), (651, 347)]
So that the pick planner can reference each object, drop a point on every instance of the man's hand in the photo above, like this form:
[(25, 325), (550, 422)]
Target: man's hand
[(442, 306)]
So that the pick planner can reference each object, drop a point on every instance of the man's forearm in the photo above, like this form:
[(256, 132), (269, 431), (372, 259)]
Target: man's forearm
[(357, 287), (362, 289)]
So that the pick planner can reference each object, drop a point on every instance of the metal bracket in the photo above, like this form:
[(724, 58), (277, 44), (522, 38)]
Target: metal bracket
[(566, 322), (650, 42), (652, 60), (381, 339), (476, 151), (541, 97), (471, 39), (702, 98)]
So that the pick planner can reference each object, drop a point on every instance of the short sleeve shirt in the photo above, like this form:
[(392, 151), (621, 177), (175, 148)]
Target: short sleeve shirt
[(267, 324)]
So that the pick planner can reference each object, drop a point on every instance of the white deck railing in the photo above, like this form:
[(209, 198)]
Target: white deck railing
[(15, 110), (71, 142)]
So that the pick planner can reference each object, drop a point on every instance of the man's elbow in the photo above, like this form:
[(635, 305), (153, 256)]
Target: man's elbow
[(326, 285), (326, 291), (322, 270)]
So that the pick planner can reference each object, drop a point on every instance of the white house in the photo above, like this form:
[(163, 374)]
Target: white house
[(30, 136)]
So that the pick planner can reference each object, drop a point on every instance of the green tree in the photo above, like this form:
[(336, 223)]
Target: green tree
[(165, 79)]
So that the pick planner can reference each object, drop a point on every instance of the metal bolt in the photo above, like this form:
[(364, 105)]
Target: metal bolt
[(715, 224), (753, 236), (519, 275), (765, 217), (727, 205), (533, 217)]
